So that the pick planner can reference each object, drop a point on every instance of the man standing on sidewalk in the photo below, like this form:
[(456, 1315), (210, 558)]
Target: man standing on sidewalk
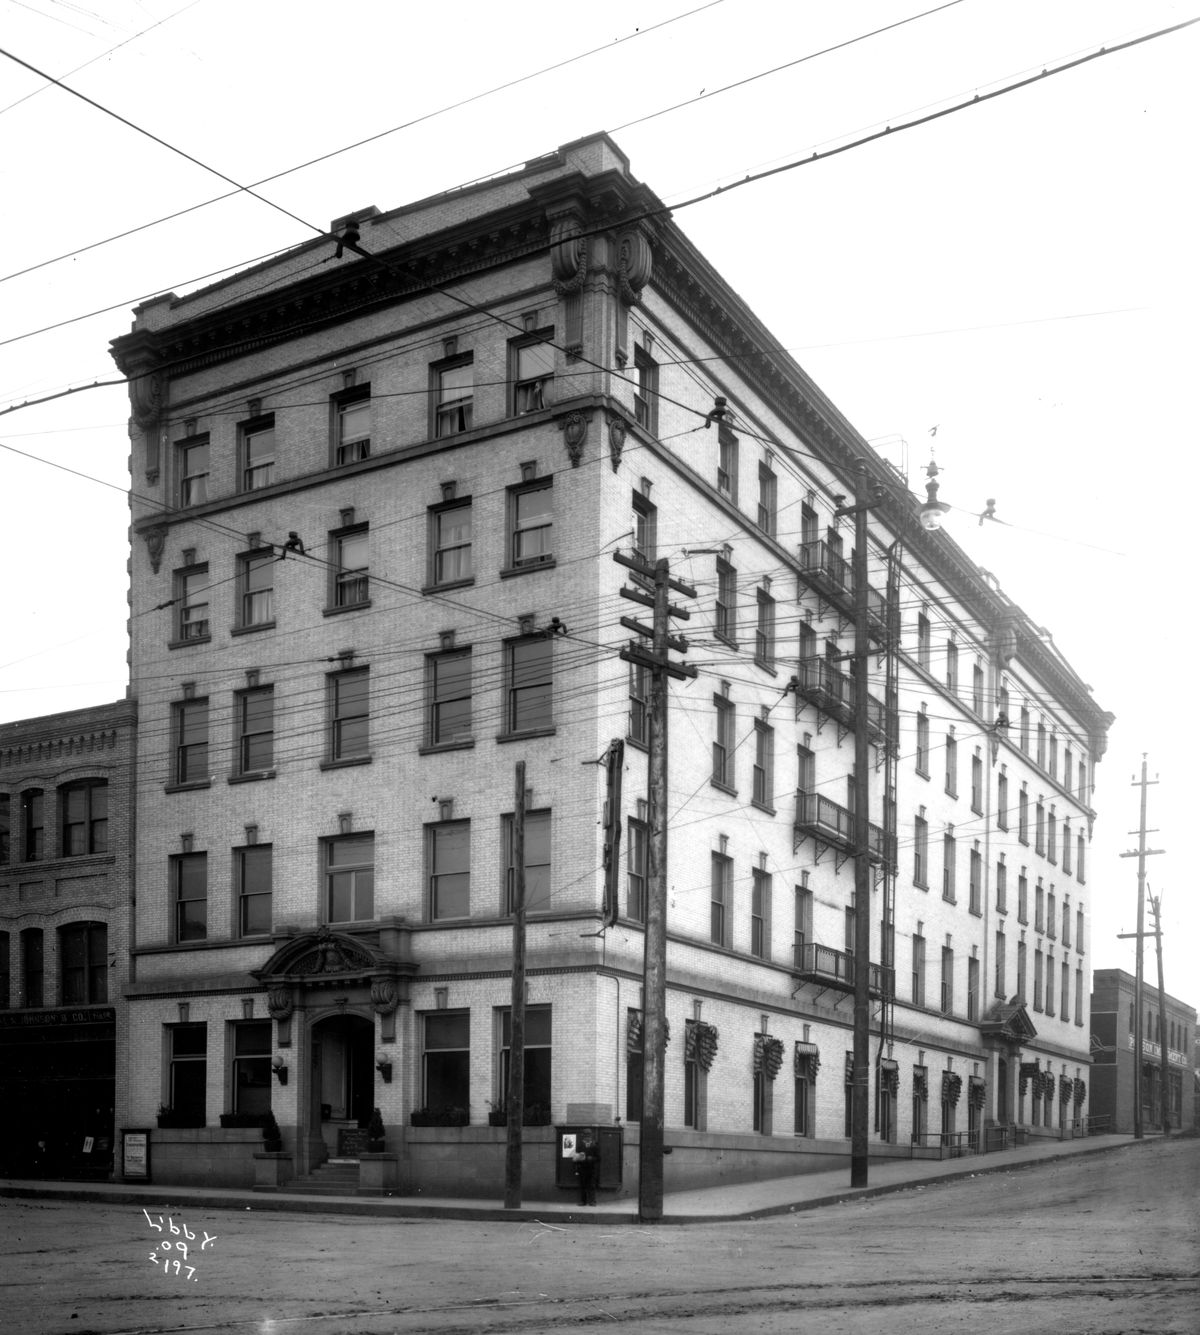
[(587, 1165)]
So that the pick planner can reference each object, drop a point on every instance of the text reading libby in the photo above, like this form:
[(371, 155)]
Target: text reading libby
[(174, 1251)]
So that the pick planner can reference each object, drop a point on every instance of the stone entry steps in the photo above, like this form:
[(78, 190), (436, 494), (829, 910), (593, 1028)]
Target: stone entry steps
[(335, 1177)]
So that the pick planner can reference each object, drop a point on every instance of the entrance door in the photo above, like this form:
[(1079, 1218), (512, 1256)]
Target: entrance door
[(343, 1048), (1002, 1114)]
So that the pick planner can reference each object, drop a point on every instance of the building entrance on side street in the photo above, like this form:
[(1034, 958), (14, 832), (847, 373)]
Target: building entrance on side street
[(343, 1048)]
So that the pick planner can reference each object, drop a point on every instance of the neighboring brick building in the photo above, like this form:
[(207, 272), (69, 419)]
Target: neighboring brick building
[(376, 507), (1114, 1014), (66, 886)]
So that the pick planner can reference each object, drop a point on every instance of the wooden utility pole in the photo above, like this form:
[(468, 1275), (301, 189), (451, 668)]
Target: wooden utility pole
[(1141, 853), (515, 1101), (1164, 1055), (654, 988)]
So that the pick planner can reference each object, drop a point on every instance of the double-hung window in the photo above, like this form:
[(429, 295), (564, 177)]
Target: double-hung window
[(352, 426), (193, 456), (760, 913), (256, 589), (450, 543), (764, 765), (529, 685), (726, 605), (949, 869), (767, 498), (191, 604), (951, 766), (532, 518), (645, 529), (454, 391), (918, 970), (921, 852), (350, 878), (252, 876), (637, 854), (351, 562), (532, 372), (721, 901), (947, 980), (536, 1089), (639, 704), (5, 827), (764, 631), (349, 714), (449, 686), (254, 712), (188, 1047), (191, 741), (83, 955), (84, 818), (189, 877), (33, 824), (727, 462), (536, 860), (921, 757), (33, 967), (722, 768), (257, 442), (449, 862), (645, 396), (446, 1060), (251, 1073)]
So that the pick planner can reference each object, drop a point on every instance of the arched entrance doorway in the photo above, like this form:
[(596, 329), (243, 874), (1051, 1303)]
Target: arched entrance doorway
[(342, 1048)]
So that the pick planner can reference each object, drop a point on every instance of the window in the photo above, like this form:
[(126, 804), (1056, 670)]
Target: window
[(760, 914), (1066, 847), (349, 714), (806, 769), (1050, 982), (33, 967), (191, 741), (767, 493), (251, 1075), (188, 1048), (645, 529), (727, 462), (1039, 835), (1001, 885), (977, 689), (1023, 815), (949, 856), (84, 818), (1023, 898), (972, 989), (1052, 764), (1064, 1004), (637, 867), (1038, 964), (764, 765), (1080, 848), (350, 878), (83, 963), (252, 885), (951, 766), (193, 471), (1081, 791), (1000, 988), (722, 899), (639, 704), (725, 625), (977, 783), (635, 1065), (5, 827), (802, 930), (532, 372), (1041, 745), (258, 453), (448, 684), (352, 426), (189, 885), (1021, 971), (5, 979), (351, 582), (952, 665), (921, 852), (454, 390), (1079, 930), (762, 1092), (722, 770), (532, 512), (918, 970), (1025, 729), (695, 1082), (449, 853), (191, 604), (254, 713), (764, 633), (446, 1061), (1039, 914), (256, 589), (947, 980), (975, 903), (645, 396), (530, 680), (33, 824), (537, 863), (1052, 836), (450, 538), (1002, 801), (924, 642), (1078, 996), (1051, 915), (922, 752), (538, 1051)]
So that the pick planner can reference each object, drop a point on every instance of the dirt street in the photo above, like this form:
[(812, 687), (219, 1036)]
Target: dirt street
[(1104, 1243)]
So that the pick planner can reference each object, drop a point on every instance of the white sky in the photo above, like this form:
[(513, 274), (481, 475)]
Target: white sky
[(1019, 274)]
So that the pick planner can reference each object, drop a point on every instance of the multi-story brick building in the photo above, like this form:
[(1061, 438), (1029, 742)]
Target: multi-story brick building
[(66, 863), (380, 491), (1114, 1018)]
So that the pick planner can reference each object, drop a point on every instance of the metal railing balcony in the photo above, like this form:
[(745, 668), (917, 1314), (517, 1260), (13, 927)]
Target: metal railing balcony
[(830, 571), (822, 964), (823, 818), (821, 682)]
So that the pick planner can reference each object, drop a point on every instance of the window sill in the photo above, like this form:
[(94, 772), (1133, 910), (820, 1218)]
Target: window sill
[(950, 792), (949, 899), (762, 806), (527, 733), (249, 630), (252, 776), (1002, 910), (448, 586), (922, 773), (976, 808), (345, 763), (187, 787), (511, 572), (920, 885), (638, 743), (975, 913), (720, 635), (187, 644), (435, 748), (767, 665), (723, 787), (346, 607)]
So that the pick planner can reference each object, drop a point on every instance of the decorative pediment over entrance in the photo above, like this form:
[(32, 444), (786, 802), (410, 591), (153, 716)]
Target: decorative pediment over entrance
[(1008, 1020), (318, 954)]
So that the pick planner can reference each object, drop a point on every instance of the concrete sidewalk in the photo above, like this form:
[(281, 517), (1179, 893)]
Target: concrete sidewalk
[(745, 1200)]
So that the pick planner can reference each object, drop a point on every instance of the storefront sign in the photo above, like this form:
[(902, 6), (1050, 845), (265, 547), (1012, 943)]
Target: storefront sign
[(43, 1019)]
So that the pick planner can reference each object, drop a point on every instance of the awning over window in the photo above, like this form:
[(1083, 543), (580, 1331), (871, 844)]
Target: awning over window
[(807, 1060)]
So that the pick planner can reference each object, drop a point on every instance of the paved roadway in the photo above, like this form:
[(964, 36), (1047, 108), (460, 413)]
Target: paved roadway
[(1097, 1245)]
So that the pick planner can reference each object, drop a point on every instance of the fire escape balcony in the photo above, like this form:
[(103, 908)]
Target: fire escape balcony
[(832, 575), (815, 963), (832, 826), (820, 682)]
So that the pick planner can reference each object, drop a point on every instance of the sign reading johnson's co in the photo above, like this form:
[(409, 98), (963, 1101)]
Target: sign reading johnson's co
[(42, 1019)]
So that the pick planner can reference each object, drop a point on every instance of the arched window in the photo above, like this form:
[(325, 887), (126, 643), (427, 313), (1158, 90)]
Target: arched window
[(84, 809), (33, 825), (83, 963)]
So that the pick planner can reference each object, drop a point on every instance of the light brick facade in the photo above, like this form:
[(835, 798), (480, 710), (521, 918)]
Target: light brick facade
[(244, 397)]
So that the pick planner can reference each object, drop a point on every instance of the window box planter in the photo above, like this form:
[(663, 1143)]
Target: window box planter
[(537, 1114), (232, 1120), (440, 1117), (168, 1117)]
